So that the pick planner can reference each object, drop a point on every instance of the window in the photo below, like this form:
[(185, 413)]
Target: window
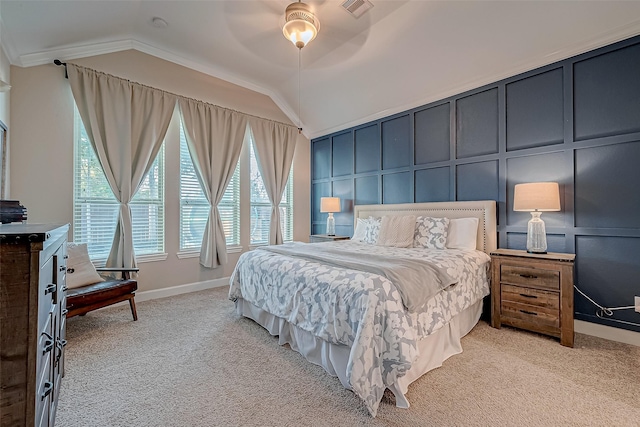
[(194, 207), (261, 207), (95, 209)]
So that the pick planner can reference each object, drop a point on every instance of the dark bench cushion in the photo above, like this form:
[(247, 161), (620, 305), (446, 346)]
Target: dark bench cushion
[(101, 291)]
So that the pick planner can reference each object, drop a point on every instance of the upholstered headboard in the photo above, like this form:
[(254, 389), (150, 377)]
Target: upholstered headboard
[(484, 210)]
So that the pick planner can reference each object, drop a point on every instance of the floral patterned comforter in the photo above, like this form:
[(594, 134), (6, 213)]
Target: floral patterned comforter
[(361, 310)]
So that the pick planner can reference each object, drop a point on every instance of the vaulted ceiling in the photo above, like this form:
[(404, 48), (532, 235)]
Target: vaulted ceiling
[(398, 55)]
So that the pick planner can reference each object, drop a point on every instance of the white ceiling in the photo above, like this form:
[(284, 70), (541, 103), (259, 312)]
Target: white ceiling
[(398, 55)]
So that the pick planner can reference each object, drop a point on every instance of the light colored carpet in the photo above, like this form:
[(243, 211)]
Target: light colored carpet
[(191, 361)]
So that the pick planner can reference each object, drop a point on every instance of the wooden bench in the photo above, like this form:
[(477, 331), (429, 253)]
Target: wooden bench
[(87, 298)]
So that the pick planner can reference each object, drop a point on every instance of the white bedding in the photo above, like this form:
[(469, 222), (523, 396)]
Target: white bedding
[(360, 311)]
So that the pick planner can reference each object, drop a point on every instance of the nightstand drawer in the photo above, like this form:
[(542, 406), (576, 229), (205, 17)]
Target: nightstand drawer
[(528, 276), (517, 294), (532, 314)]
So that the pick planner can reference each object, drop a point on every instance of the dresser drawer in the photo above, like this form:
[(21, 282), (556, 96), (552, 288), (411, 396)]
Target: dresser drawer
[(529, 276), (46, 347), (44, 392), (530, 296), (47, 289), (531, 314)]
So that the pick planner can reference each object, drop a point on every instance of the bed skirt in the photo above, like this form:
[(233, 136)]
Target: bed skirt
[(433, 350)]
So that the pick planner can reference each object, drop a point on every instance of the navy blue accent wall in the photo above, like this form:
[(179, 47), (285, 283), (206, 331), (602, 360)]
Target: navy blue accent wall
[(576, 122)]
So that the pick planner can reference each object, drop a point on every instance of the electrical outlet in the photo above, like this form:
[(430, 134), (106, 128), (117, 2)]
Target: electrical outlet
[(638, 304)]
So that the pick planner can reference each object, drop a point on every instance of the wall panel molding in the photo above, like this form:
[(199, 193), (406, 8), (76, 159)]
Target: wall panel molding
[(576, 122)]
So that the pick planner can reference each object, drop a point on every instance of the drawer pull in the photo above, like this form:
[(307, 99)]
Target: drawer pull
[(48, 344), (528, 276), (528, 296), (529, 312), (60, 344), (51, 288), (48, 386)]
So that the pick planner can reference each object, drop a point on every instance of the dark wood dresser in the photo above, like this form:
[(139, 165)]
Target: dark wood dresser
[(32, 322)]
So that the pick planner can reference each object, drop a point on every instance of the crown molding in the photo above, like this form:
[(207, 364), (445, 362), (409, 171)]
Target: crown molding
[(76, 52), (217, 73)]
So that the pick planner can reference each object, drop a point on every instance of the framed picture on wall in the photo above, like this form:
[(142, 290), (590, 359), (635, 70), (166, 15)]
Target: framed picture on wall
[(3, 159)]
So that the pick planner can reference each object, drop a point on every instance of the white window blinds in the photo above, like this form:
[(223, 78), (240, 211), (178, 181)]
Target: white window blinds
[(194, 207), (95, 209)]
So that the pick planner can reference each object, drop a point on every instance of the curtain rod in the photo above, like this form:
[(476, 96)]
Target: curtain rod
[(59, 63), (66, 76)]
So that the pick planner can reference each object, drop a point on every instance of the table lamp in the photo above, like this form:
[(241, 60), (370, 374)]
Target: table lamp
[(330, 205), (536, 197)]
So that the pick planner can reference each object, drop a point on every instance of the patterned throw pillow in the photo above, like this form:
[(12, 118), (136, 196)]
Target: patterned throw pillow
[(372, 231), (431, 233)]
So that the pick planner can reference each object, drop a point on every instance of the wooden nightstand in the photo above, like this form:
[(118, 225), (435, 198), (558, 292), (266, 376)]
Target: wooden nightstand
[(533, 292), (316, 238)]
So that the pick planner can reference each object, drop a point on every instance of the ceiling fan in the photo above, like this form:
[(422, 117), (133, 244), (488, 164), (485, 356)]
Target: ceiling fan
[(258, 25)]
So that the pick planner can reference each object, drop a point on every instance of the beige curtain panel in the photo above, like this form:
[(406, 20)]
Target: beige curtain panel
[(274, 145), (214, 138), (126, 123)]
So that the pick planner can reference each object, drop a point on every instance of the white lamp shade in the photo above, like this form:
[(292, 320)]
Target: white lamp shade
[(330, 204), (536, 196)]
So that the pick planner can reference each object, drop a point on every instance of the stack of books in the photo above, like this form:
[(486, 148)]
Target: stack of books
[(12, 211)]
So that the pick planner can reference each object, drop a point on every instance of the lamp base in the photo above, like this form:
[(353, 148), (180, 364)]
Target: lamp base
[(536, 252), (536, 234), (331, 225)]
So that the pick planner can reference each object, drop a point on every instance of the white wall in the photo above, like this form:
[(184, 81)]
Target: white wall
[(42, 154)]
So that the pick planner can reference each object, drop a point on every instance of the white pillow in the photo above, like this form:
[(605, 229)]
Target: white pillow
[(80, 269), (361, 230), (397, 231), (372, 231), (462, 233), (431, 233)]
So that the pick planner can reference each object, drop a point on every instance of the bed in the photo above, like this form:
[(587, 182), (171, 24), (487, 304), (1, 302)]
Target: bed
[(354, 321)]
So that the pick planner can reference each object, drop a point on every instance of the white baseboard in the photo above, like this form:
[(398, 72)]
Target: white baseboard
[(607, 332), (181, 289)]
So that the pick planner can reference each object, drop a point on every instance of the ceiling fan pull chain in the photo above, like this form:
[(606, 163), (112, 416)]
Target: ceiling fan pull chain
[(299, 97)]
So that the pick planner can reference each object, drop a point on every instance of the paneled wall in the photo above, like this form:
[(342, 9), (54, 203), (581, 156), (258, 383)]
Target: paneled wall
[(576, 122)]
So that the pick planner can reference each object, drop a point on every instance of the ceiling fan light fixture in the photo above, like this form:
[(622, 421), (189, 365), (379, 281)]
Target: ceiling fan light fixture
[(301, 25)]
